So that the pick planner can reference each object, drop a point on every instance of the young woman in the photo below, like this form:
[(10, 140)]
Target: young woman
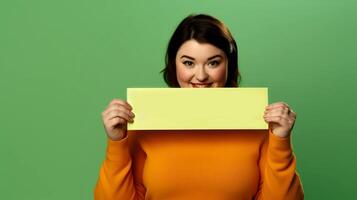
[(186, 165)]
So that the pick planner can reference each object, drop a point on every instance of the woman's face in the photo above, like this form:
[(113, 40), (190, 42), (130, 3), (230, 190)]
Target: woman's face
[(201, 65)]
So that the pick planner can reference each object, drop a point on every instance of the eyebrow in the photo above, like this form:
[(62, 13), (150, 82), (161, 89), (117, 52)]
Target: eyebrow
[(210, 58)]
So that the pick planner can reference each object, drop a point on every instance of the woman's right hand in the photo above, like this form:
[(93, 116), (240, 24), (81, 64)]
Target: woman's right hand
[(116, 117)]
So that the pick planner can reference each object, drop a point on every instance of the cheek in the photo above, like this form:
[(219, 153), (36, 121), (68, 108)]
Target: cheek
[(220, 75), (183, 74)]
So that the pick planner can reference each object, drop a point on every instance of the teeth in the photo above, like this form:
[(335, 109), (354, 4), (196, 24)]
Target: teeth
[(200, 86)]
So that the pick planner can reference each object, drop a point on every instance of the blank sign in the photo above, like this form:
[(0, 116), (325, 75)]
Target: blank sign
[(197, 108)]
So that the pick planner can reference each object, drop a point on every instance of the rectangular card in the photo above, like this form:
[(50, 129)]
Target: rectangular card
[(197, 108)]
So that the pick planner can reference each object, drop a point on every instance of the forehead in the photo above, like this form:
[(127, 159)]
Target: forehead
[(198, 50)]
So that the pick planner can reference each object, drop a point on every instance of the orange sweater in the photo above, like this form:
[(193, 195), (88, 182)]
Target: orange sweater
[(217, 165)]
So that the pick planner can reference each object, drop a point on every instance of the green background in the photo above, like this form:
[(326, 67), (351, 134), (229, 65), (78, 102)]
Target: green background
[(61, 62)]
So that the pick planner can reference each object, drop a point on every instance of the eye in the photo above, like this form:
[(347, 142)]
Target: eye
[(214, 63), (188, 63)]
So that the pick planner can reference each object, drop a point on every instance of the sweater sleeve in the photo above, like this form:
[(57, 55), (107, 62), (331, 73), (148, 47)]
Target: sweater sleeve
[(116, 179), (279, 179)]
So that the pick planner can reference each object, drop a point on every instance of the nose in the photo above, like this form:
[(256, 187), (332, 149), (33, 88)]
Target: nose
[(201, 74)]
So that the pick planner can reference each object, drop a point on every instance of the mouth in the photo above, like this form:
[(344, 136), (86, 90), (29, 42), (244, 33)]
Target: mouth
[(201, 85)]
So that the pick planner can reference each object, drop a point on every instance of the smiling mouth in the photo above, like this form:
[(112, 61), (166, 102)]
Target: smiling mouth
[(201, 85)]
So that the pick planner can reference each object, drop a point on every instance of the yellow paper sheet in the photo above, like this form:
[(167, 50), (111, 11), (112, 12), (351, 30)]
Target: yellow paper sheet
[(197, 108)]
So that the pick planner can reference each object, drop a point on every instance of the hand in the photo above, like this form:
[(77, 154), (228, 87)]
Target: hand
[(281, 118), (116, 117)]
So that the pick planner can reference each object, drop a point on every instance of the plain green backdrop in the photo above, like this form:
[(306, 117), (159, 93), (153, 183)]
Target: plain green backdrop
[(61, 62)]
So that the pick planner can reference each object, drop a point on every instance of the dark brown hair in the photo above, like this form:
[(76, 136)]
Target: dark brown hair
[(204, 29)]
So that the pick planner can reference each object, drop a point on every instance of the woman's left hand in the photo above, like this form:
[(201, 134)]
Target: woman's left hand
[(281, 118)]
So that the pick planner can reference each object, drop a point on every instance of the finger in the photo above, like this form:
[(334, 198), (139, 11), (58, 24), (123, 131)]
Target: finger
[(275, 119), (277, 104), (125, 110), (288, 113), (116, 113), (115, 121), (279, 120), (280, 113), (292, 113), (277, 111), (120, 108), (284, 117), (276, 107), (121, 102), (123, 115)]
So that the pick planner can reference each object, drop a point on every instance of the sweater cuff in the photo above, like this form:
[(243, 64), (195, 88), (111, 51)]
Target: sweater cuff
[(118, 150), (280, 149)]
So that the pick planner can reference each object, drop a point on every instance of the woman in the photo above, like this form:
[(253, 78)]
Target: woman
[(199, 164)]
